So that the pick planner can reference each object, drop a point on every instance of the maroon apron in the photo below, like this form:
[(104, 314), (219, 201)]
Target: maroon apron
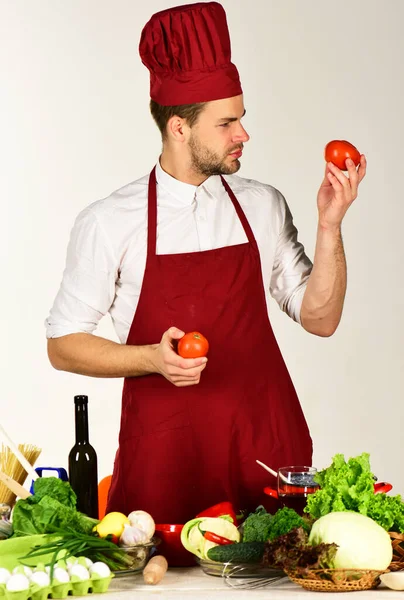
[(183, 449)]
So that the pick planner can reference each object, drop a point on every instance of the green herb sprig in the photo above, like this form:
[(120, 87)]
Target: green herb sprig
[(93, 547)]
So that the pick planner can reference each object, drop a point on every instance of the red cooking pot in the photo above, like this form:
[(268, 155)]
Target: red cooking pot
[(171, 546), (379, 488)]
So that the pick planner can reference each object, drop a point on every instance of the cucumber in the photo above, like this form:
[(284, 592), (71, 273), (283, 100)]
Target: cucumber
[(244, 552)]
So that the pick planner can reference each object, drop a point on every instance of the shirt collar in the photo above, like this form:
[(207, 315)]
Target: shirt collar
[(185, 192), (213, 185)]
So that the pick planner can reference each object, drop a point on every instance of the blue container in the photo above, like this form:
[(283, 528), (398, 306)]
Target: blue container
[(61, 474)]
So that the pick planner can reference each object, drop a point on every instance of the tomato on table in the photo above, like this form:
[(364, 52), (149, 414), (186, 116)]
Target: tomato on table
[(338, 151), (193, 345)]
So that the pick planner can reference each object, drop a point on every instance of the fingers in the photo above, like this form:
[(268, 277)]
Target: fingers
[(173, 334), (353, 177), (182, 377), (185, 382), (362, 168), (337, 179), (190, 364), (338, 175), (327, 171), (343, 184), (174, 370), (179, 371), (182, 363)]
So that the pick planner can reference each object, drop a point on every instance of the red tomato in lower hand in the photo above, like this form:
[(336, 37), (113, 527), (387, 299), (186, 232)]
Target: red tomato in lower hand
[(338, 151), (193, 345)]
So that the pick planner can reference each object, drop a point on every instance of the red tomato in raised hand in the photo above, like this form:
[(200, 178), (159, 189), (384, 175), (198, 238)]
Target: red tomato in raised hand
[(193, 345), (338, 151)]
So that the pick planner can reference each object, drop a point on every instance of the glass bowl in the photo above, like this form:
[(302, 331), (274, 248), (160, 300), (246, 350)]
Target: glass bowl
[(140, 555), (239, 570)]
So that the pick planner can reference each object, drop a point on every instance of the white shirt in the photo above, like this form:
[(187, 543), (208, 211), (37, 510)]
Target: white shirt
[(106, 254)]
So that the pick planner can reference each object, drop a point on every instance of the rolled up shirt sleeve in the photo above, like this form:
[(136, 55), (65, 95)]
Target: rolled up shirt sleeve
[(291, 268), (87, 290)]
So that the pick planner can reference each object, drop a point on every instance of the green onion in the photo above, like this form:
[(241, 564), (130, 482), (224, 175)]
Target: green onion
[(72, 543)]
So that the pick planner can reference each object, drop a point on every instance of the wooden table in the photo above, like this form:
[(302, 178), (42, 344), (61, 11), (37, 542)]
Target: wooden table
[(193, 583)]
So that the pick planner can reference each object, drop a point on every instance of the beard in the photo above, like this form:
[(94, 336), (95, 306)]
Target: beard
[(206, 162)]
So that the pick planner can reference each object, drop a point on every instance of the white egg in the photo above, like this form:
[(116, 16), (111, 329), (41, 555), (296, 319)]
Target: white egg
[(89, 562), (100, 569), (47, 569), (4, 575), (80, 572), (72, 560), (84, 562), (17, 583), (60, 575), (40, 578), (23, 570)]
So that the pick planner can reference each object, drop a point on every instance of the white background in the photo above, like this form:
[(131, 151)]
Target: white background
[(74, 126)]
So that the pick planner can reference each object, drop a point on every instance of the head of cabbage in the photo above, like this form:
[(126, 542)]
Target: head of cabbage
[(362, 543)]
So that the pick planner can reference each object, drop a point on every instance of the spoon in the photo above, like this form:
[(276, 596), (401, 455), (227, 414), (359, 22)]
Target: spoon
[(14, 486), (274, 473), (19, 455)]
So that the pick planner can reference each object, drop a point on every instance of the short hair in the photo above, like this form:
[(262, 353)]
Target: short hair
[(162, 114)]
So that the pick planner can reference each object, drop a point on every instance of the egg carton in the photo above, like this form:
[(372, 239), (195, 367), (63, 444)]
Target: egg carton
[(58, 591)]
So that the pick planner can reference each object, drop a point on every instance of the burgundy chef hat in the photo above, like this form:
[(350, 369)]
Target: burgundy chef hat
[(187, 51)]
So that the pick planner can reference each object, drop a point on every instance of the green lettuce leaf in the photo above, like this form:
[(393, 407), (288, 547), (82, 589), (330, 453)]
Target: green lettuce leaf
[(388, 511), (293, 550), (343, 486), (56, 489), (50, 509), (47, 516), (349, 485)]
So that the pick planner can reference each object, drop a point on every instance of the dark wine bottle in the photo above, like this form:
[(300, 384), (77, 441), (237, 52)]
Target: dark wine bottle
[(83, 475)]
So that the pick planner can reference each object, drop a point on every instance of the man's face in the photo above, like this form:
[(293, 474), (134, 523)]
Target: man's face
[(216, 140)]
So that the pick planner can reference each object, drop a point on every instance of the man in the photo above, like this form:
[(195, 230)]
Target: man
[(195, 247)]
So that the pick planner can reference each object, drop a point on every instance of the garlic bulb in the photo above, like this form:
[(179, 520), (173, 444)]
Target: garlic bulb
[(6, 529), (131, 536), (394, 581), (142, 519)]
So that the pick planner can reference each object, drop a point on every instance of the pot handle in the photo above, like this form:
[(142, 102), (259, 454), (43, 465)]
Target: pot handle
[(379, 488), (382, 487), (271, 492)]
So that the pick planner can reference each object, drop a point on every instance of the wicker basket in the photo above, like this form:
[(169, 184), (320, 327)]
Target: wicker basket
[(336, 580), (397, 540)]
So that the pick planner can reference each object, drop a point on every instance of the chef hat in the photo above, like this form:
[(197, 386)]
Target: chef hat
[(187, 51)]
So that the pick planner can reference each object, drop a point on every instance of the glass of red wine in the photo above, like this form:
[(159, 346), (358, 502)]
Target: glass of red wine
[(294, 485)]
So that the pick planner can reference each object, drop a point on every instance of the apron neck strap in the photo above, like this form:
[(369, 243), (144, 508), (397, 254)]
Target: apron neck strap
[(152, 213), (240, 212)]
